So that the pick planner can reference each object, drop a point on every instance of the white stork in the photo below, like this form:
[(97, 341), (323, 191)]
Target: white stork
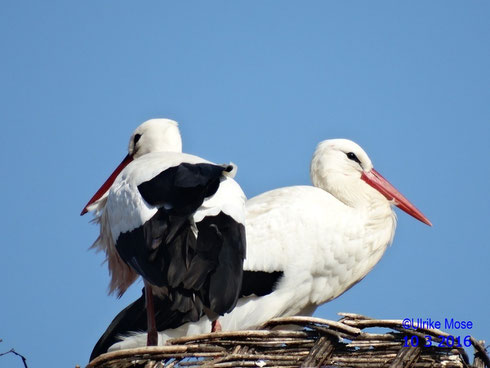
[(176, 220), (306, 245)]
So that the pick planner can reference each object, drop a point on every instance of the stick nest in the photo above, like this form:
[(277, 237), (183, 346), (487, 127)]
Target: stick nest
[(303, 342)]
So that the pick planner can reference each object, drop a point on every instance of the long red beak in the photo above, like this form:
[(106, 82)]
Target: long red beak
[(105, 187), (374, 179)]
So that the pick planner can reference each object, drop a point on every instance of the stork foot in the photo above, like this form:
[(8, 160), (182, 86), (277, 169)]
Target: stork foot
[(216, 326)]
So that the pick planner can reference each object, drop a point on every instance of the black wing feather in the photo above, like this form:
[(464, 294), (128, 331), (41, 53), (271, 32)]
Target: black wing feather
[(182, 189), (206, 270), (225, 282), (259, 283)]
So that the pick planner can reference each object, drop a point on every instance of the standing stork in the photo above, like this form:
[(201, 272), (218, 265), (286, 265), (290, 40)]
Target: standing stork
[(177, 221), (306, 245)]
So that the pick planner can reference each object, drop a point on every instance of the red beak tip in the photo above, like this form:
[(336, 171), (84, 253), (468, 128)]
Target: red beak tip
[(423, 219), (84, 211)]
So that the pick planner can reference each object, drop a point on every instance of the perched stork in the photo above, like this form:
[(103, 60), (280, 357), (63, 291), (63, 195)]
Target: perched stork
[(306, 245), (177, 221)]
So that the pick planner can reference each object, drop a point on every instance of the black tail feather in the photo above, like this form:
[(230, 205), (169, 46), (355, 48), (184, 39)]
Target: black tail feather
[(133, 319)]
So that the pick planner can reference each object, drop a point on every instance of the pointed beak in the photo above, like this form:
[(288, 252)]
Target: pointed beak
[(105, 187), (374, 179)]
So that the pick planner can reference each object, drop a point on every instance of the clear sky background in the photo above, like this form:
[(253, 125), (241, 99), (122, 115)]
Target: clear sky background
[(259, 84)]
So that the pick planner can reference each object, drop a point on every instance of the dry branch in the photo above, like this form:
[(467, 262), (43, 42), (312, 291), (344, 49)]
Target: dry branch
[(12, 351)]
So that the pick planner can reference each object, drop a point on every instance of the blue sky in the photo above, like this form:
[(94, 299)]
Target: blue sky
[(259, 84)]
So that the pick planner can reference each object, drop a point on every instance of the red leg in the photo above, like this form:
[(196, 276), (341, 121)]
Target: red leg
[(216, 326), (152, 338)]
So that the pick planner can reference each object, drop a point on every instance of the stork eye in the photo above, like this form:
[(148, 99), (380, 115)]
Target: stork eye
[(136, 139), (352, 156)]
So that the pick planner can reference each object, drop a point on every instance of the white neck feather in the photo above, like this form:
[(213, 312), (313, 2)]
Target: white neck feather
[(378, 218)]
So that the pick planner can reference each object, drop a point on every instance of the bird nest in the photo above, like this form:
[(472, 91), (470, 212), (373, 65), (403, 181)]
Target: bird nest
[(315, 343)]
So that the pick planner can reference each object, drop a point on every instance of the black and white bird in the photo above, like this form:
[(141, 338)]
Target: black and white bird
[(306, 245), (176, 220)]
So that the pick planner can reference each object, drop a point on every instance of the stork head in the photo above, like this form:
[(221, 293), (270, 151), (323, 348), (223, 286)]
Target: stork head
[(155, 135), (342, 168)]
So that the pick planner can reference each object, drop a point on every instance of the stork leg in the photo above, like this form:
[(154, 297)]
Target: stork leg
[(152, 337), (215, 326)]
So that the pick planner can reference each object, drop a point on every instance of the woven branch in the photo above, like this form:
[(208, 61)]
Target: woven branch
[(316, 343)]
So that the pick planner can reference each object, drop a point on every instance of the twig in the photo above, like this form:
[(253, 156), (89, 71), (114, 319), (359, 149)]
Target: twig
[(24, 360)]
